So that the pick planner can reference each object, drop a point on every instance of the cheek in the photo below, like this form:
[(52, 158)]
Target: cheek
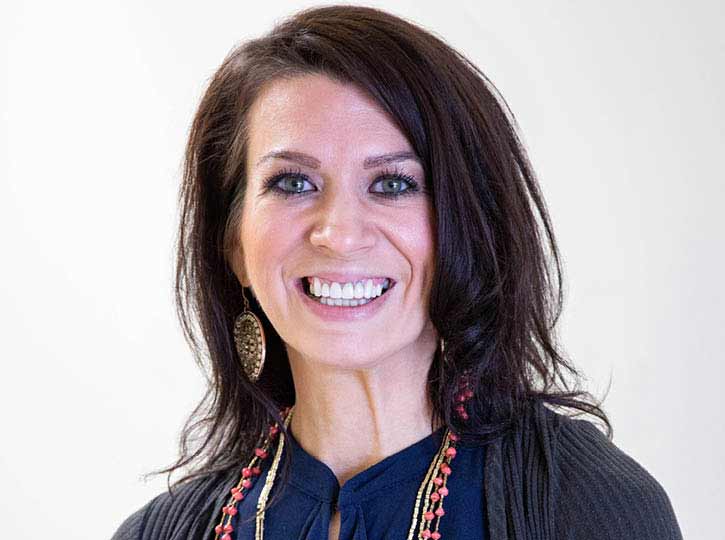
[(266, 239), (414, 238), (417, 234)]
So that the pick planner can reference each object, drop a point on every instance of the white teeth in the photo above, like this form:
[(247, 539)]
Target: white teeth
[(368, 288), (359, 290), (343, 302)]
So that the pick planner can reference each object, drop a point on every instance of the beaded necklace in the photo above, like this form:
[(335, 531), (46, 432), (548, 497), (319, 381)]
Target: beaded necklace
[(428, 509)]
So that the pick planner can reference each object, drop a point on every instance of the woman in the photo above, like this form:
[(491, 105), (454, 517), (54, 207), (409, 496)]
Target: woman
[(360, 242)]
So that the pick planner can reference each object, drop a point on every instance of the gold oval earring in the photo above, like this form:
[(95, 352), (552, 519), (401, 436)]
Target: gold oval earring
[(249, 341)]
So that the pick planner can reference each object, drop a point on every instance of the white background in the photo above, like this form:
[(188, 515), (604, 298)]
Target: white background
[(620, 104)]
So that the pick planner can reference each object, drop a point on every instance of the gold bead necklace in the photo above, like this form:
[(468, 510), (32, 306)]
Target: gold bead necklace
[(427, 512)]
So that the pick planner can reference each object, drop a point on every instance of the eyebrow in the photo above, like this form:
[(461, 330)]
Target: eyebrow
[(314, 163)]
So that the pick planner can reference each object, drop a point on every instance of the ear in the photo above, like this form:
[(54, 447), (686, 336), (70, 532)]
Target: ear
[(236, 261)]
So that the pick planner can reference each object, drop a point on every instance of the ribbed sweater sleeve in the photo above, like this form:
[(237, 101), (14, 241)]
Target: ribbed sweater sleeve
[(188, 511), (604, 494), (133, 526)]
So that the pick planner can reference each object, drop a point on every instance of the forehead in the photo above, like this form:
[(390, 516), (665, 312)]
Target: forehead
[(315, 114)]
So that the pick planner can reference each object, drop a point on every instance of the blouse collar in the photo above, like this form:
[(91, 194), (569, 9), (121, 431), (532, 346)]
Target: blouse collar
[(317, 480)]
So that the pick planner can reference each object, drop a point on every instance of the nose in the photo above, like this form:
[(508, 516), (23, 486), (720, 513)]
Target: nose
[(342, 226)]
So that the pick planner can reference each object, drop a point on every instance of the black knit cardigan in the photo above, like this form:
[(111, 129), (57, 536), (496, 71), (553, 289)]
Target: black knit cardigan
[(553, 477)]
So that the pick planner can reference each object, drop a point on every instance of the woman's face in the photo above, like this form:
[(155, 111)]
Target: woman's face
[(334, 214)]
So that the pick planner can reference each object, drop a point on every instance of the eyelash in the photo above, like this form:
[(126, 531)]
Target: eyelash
[(270, 184)]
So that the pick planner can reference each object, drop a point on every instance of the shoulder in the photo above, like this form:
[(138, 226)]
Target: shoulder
[(133, 526), (177, 512), (600, 491)]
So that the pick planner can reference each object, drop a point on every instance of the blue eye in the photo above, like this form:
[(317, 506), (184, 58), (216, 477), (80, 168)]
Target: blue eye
[(290, 183), (287, 183), (395, 181)]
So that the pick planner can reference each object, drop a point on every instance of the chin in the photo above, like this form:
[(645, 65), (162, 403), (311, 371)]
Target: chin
[(345, 358)]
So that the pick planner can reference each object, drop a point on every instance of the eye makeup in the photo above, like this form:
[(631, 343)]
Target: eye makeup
[(272, 183)]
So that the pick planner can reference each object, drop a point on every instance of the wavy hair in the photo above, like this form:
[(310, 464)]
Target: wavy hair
[(497, 287)]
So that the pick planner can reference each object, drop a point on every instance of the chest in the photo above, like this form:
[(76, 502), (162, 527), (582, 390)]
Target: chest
[(334, 533)]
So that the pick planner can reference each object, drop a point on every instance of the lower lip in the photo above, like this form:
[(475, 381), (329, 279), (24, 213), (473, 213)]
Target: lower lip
[(343, 313)]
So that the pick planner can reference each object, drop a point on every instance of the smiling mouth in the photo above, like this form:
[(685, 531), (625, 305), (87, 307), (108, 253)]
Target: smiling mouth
[(342, 302)]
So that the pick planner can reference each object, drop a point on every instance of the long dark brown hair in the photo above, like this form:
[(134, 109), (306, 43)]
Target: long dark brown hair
[(497, 289)]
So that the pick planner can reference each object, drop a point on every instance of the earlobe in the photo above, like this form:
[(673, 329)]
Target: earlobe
[(236, 261), (245, 282), (244, 279)]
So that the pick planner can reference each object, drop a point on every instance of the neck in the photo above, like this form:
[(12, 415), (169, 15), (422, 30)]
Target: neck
[(351, 419)]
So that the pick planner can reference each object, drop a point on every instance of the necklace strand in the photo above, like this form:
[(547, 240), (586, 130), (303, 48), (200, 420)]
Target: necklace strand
[(433, 489)]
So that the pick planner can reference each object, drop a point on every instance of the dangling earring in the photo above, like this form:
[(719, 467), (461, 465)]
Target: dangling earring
[(442, 348), (249, 340)]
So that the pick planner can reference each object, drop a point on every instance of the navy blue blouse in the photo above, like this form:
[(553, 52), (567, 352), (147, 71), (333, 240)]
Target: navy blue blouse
[(375, 504)]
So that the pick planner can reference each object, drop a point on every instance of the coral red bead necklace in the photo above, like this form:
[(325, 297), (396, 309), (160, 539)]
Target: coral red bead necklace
[(428, 509)]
